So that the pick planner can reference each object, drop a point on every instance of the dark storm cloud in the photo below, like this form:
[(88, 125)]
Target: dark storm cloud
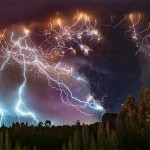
[(13, 11), (113, 69)]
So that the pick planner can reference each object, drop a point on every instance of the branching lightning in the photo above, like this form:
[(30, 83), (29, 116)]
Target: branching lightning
[(45, 60), (141, 37)]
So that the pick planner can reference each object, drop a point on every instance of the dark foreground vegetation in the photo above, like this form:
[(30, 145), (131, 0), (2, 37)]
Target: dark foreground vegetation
[(130, 129)]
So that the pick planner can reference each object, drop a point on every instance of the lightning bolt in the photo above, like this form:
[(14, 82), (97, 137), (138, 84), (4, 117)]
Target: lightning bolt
[(140, 36), (21, 88)]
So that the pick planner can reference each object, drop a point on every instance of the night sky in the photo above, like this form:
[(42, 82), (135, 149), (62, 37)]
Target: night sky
[(112, 69)]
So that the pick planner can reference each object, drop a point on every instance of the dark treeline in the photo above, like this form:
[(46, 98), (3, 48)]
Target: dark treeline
[(130, 129)]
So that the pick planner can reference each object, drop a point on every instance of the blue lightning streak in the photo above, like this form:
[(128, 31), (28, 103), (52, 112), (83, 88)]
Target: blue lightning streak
[(20, 91), (20, 102), (3, 120)]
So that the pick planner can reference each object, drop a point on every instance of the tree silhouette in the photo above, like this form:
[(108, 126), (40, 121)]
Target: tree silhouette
[(47, 123)]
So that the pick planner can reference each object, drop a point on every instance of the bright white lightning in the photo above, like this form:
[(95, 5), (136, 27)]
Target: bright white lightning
[(90, 98), (85, 49), (100, 108), (26, 31), (20, 101)]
